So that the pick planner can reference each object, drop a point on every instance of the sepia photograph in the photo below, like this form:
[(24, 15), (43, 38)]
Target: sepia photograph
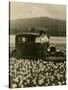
[(37, 44)]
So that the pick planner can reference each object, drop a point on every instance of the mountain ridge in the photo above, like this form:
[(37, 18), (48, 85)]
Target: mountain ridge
[(54, 27)]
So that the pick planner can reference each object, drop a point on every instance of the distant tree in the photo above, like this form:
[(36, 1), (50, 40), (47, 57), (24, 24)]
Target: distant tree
[(32, 29)]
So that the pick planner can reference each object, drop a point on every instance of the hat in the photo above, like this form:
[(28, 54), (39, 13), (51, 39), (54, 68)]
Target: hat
[(42, 32)]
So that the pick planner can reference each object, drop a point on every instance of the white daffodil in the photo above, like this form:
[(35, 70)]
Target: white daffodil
[(59, 83), (14, 85), (41, 81)]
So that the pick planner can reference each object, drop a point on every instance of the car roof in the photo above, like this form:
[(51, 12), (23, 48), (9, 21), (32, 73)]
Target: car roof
[(27, 34)]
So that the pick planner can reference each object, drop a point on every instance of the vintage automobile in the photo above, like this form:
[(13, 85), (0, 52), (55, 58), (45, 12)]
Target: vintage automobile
[(28, 46)]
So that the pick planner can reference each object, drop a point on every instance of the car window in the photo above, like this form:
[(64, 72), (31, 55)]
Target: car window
[(37, 40), (23, 39), (19, 39)]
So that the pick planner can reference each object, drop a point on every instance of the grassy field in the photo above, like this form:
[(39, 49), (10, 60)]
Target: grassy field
[(31, 73)]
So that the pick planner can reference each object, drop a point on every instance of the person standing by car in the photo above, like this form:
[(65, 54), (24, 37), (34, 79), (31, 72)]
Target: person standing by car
[(44, 40)]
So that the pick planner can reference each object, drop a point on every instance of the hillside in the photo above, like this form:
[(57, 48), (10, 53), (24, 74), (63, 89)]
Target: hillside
[(54, 27)]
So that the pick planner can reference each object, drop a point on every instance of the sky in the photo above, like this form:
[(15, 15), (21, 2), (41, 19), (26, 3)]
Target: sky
[(20, 10)]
